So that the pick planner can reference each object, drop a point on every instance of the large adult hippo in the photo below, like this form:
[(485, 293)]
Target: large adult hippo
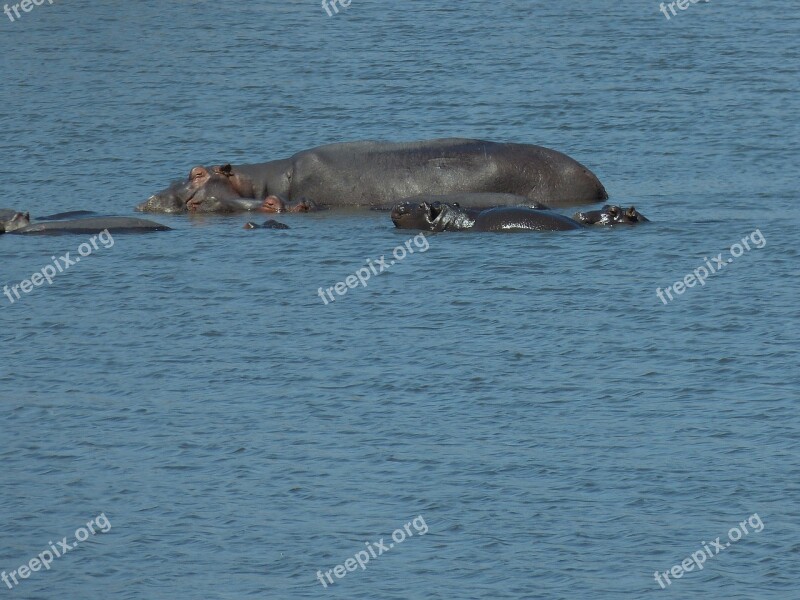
[(446, 217), (92, 225), (378, 174)]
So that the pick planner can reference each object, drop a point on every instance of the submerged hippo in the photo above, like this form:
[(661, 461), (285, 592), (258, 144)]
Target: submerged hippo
[(611, 215), (92, 225), (271, 224), (476, 200), (445, 217), (379, 174)]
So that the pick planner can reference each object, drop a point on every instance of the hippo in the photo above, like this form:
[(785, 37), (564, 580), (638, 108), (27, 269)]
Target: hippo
[(611, 215), (92, 225), (476, 200), (379, 174), (271, 224), (11, 220), (446, 217)]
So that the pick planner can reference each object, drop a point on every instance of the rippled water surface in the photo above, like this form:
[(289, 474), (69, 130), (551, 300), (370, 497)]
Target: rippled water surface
[(561, 431)]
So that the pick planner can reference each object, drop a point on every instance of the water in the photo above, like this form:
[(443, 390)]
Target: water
[(562, 432)]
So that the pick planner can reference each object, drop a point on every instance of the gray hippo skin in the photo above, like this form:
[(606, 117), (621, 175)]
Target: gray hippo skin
[(379, 174), (271, 224), (73, 214), (445, 217), (92, 225)]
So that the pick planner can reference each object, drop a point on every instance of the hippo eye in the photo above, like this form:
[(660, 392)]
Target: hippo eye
[(613, 211)]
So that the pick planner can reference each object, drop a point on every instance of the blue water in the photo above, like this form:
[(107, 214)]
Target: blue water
[(562, 432)]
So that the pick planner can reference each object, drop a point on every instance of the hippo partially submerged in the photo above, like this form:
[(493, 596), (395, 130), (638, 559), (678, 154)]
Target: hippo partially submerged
[(611, 215), (476, 200), (270, 224), (19, 223), (92, 225), (379, 174), (447, 217)]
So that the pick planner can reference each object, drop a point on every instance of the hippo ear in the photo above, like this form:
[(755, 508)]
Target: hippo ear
[(631, 212), (226, 170)]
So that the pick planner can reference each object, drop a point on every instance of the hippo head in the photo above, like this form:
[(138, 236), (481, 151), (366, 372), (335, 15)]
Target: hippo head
[(18, 221), (433, 216), (611, 215), (415, 215), (271, 224), (276, 204), (218, 183)]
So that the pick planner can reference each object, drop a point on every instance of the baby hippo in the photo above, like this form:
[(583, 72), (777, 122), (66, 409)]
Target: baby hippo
[(611, 215), (271, 224)]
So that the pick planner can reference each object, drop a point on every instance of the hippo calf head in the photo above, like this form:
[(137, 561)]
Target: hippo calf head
[(415, 215), (18, 221), (434, 216), (611, 215), (204, 185)]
